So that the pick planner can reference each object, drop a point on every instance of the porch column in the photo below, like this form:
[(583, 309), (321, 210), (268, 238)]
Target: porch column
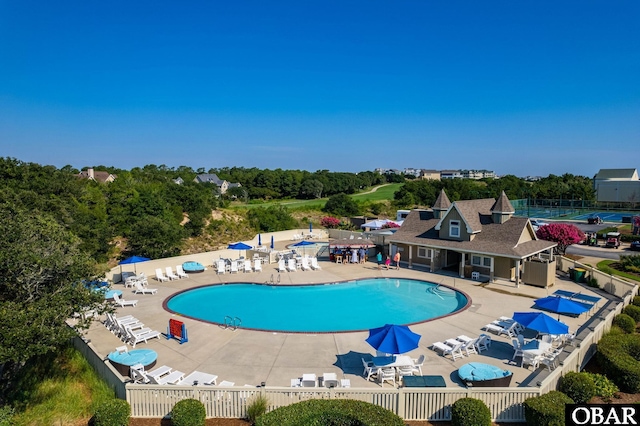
[(491, 270), (518, 273), (461, 268), (410, 256)]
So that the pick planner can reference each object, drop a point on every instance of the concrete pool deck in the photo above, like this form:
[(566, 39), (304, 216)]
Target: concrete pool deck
[(252, 357)]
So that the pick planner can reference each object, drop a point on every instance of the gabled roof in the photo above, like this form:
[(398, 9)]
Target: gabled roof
[(473, 213), (503, 205), (210, 178), (630, 174), (419, 228)]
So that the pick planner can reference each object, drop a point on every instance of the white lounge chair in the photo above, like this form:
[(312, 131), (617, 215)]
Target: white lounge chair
[(470, 347), (234, 267), (199, 378), (139, 289), (133, 339), (305, 264), (180, 272), (221, 267), (160, 276), (171, 378), (291, 265), (282, 266), (247, 266), (122, 303), (314, 263), (257, 265), (170, 273), (309, 381), (330, 380), (455, 351)]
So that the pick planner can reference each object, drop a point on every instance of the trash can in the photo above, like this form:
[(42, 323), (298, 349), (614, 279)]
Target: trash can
[(579, 275), (572, 274)]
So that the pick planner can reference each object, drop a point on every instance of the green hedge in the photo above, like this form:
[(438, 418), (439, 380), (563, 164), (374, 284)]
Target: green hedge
[(636, 301), (625, 322), (578, 386), (618, 354), (470, 412), (330, 412), (113, 412), (546, 410), (633, 311), (188, 412)]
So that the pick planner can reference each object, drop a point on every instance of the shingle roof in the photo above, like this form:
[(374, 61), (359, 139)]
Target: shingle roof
[(209, 177), (495, 239), (616, 174), (503, 205), (442, 202)]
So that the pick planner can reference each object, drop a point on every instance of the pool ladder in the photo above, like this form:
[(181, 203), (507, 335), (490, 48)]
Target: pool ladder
[(232, 322), (271, 281)]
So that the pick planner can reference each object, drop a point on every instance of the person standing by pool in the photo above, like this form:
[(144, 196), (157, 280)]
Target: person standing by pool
[(387, 262), (379, 259), (396, 258)]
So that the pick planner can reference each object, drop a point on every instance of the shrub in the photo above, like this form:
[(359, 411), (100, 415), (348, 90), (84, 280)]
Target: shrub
[(633, 311), (336, 412), (578, 386), (605, 388), (470, 412), (636, 301), (113, 412), (625, 322), (188, 412), (593, 282), (6, 415), (618, 354), (330, 222), (257, 407), (547, 409)]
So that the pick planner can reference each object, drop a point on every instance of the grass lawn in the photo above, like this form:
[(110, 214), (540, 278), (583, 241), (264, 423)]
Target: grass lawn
[(604, 266), (381, 193)]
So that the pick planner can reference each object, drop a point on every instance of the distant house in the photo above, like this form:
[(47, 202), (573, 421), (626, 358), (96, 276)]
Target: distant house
[(617, 185), (101, 177), (480, 236), (223, 185), (429, 174), (450, 174), (178, 181)]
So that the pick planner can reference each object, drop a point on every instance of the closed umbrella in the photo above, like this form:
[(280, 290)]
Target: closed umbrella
[(310, 227), (259, 239), (133, 260), (393, 339), (562, 305), (540, 322), (272, 243)]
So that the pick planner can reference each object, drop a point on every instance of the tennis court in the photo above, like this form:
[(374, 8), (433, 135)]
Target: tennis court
[(607, 216)]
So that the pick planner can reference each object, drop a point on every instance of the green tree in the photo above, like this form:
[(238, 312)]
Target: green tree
[(42, 268), (341, 205), (311, 188), (271, 219)]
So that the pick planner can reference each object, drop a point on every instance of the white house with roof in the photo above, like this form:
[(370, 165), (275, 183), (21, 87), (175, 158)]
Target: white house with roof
[(617, 185), (222, 184)]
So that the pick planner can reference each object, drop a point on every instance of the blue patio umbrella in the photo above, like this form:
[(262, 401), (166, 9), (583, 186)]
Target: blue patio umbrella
[(272, 243), (303, 244), (540, 322), (134, 260), (562, 305), (259, 239), (239, 246), (393, 339)]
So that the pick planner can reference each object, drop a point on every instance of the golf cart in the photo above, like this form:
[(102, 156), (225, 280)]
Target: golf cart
[(613, 240), (593, 220)]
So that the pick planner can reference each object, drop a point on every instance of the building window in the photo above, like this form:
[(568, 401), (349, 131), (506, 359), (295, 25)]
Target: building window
[(481, 261), (425, 253), (454, 228)]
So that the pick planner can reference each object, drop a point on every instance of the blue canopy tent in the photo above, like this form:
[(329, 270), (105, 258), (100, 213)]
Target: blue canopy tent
[(561, 305), (540, 322), (239, 246), (132, 260), (393, 339)]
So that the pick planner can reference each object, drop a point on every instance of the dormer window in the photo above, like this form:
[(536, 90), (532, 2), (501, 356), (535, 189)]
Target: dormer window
[(454, 228)]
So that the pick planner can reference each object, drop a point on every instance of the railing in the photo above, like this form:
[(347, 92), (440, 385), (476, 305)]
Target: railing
[(609, 283)]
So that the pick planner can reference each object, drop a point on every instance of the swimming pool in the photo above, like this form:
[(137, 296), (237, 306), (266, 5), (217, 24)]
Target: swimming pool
[(336, 307)]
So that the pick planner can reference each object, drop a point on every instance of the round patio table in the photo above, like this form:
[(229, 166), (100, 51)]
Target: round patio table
[(109, 294), (122, 361), (192, 267)]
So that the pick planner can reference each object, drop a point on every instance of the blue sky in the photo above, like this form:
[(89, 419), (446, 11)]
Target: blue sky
[(518, 87)]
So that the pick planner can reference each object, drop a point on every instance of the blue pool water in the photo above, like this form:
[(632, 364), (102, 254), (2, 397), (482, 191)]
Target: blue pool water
[(347, 306)]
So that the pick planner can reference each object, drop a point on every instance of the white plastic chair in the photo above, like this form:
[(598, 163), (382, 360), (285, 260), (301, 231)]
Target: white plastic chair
[(180, 272), (257, 265), (160, 276), (221, 267), (291, 265), (247, 266), (170, 273), (234, 267), (314, 263), (281, 266), (122, 303), (387, 375)]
